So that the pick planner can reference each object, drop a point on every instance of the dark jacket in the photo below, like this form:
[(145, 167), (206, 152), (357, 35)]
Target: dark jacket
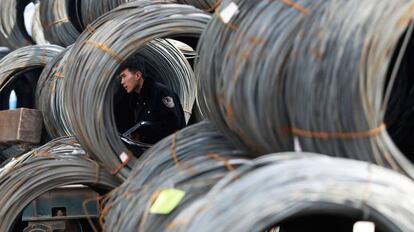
[(161, 107)]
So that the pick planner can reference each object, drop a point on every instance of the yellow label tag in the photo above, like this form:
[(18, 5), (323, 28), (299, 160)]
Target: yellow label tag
[(167, 201)]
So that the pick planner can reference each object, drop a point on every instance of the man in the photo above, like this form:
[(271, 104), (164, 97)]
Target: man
[(157, 110)]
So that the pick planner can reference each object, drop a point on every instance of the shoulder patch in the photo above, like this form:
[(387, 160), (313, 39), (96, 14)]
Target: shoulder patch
[(168, 102)]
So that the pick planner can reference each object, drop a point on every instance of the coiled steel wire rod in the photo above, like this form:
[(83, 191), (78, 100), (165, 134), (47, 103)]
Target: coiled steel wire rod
[(337, 75), (13, 33), (25, 59), (192, 160), (164, 62), (95, 58), (346, 188), (56, 22), (57, 163), (241, 70)]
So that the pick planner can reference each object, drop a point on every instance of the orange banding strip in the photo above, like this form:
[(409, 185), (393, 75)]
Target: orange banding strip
[(221, 159), (62, 20), (105, 49), (296, 6), (339, 135), (122, 165)]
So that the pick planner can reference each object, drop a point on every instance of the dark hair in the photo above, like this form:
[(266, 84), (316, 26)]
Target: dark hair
[(134, 63)]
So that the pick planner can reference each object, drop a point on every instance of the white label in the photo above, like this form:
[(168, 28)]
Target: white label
[(363, 226), (229, 12), (123, 157)]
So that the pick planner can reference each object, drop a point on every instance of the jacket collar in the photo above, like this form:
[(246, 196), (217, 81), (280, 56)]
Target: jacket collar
[(146, 87)]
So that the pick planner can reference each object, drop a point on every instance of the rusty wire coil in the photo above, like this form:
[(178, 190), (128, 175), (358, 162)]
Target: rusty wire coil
[(340, 76), (57, 22), (192, 160), (20, 70), (55, 164), (97, 55), (350, 189)]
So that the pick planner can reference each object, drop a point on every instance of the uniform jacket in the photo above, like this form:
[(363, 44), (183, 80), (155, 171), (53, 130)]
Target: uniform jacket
[(160, 106)]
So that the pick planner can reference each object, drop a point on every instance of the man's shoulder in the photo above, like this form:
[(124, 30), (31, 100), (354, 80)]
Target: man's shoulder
[(162, 89)]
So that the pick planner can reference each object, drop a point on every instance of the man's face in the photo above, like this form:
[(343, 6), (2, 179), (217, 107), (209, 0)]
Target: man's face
[(130, 80)]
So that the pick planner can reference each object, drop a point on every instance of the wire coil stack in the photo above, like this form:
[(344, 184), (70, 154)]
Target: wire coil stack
[(192, 160), (337, 81), (112, 42), (57, 163), (56, 22), (346, 188)]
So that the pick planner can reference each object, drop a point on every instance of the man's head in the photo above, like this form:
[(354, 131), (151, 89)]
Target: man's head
[(132, 73)]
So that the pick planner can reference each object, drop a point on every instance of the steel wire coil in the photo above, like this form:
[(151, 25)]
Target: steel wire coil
[(57, 163), (164, 61), (56, 22), (21, 61), (97, 56), (192, 160), (13, 33), (339, 78), (346, 188), (241, 71)]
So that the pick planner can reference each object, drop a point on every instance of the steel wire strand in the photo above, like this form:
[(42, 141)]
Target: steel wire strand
[(57, 163), (192, 160), (25, 59), (336, 80), (111, 42), (56, 22), (209, 5), (13, 33), (346, 188)]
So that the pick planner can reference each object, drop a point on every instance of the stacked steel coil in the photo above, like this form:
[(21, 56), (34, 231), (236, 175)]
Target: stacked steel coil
[(95, 58), (349, 189), (58, 163), (22, 61), (13, 33), (57, 23), (340, 75), (192, 160)]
